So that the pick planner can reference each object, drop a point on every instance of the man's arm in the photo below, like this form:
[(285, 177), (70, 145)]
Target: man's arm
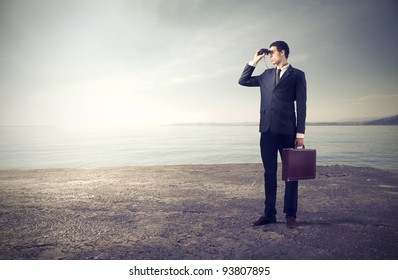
[(301, 104), (246, 78)]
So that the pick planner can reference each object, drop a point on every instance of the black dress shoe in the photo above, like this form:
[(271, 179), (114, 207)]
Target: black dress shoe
[(264, 220), (291, 222)]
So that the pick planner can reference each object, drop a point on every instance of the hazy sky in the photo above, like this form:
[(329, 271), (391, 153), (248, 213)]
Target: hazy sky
[(166, 61)]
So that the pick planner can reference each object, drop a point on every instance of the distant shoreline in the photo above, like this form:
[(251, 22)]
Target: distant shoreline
[(256, 124), (392, 120), (386, 121)]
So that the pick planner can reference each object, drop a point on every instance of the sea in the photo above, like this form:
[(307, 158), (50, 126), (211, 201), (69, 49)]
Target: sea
[(40, 147)]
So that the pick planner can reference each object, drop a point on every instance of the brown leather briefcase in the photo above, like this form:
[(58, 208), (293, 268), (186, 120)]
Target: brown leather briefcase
[(298, 164)]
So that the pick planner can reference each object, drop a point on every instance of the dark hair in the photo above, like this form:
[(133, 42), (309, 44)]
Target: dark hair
[(281, 45)]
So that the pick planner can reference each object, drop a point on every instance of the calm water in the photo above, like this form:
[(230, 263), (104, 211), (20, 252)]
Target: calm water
[(54, 147)]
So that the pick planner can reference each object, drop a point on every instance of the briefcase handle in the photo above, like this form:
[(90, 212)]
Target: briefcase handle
[(301, 147)]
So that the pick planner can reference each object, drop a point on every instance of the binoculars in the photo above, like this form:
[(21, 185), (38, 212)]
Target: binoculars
[(264, 51)]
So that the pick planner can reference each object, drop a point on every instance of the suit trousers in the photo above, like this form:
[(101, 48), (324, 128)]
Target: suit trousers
[(270, 144)]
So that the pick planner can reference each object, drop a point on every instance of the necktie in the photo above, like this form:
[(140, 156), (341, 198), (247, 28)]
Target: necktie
[(278, 73)]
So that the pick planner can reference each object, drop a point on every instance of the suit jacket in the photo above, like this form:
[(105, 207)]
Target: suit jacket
[(278, 110)]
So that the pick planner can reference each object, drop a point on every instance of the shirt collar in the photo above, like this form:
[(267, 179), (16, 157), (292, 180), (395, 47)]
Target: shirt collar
[(284, 67)]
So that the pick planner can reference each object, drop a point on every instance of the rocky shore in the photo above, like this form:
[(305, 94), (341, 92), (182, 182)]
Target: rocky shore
[(194, 212)]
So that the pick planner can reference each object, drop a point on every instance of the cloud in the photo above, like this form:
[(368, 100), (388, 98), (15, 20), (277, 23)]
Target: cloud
[(182, 79), (370, 98), (380, 97), (178, 53)]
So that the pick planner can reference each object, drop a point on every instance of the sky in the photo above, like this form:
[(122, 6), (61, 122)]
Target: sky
[(118, 62)]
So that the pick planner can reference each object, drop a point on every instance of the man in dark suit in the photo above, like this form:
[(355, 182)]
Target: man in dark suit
[(282, 124)]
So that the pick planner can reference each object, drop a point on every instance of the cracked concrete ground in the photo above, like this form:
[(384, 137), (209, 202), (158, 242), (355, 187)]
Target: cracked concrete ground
[(194, 212)]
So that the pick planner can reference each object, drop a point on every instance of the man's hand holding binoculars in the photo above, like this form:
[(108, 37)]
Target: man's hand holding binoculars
[(257, 57)]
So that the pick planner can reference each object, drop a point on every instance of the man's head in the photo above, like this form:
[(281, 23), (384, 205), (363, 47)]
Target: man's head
[(280, 52)]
